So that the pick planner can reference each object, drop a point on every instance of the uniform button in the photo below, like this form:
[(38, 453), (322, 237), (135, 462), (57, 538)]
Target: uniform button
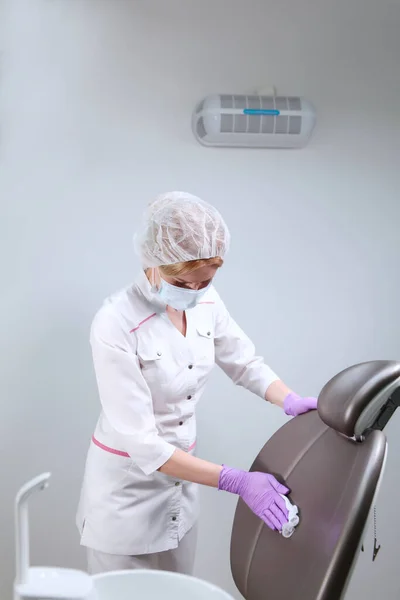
[(159, 353), (174, 518), (189, 397), (180, 422), (190, 367), (208, 333), (177, 483)]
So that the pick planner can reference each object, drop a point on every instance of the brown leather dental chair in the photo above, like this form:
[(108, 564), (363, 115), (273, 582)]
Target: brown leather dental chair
[(332, 460)]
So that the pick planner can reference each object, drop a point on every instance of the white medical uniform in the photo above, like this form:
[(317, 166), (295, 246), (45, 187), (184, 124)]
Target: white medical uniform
[(150, 378)]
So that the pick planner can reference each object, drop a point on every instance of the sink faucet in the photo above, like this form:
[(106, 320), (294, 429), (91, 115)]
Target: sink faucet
[(42, 582)]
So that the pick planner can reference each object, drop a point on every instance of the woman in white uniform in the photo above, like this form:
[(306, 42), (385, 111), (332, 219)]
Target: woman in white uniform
[(154, 345)]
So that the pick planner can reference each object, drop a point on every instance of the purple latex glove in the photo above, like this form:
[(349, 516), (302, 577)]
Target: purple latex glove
[(295, 405), (260, 491)]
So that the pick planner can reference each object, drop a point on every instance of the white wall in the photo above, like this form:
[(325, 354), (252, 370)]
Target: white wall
[(95, 119)]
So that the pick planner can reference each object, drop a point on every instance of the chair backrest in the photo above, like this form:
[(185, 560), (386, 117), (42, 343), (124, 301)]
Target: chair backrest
[(332, 461)]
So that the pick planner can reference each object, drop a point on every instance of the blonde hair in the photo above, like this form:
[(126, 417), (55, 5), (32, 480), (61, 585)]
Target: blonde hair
[(184, 268)]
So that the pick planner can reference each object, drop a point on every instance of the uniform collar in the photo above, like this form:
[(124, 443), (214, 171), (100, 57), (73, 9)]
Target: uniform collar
[(147, 290)]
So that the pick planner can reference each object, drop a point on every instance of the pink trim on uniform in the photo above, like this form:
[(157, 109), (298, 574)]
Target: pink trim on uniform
[(120, 452), (209, 302), (142, 322), (108, 449)]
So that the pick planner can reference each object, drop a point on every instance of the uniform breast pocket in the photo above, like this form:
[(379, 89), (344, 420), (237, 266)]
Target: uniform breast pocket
[(153, 362), (205, 350)]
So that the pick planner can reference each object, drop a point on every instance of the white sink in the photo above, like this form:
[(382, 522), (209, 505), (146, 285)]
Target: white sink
[(154, 585), (34, 583)]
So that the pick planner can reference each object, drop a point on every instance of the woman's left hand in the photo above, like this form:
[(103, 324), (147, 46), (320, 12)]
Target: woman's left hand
[(295, 405)]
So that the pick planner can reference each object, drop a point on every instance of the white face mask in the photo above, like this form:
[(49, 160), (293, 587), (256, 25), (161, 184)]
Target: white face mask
[(180, 298)]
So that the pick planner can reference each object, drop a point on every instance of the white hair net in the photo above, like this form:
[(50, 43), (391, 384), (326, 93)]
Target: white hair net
[(179, 227)]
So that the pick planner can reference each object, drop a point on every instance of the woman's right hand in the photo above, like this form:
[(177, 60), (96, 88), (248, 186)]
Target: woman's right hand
[(260, 491)]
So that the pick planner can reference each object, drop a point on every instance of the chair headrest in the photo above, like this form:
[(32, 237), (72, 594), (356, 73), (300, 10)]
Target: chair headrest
[(351, 401)]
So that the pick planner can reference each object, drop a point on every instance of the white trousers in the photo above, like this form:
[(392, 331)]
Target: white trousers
[(179, 560)]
